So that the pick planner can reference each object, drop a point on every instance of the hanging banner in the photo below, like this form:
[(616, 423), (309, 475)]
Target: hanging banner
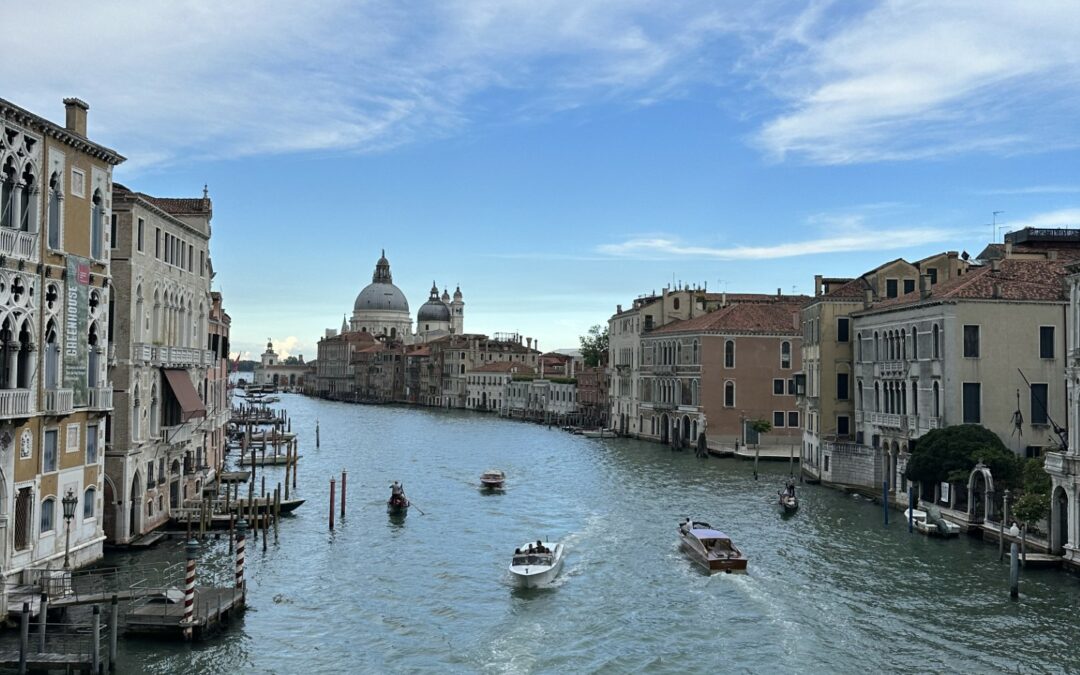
[(76, 323)]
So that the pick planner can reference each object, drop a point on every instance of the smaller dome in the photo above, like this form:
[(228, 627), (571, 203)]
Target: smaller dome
[(445, 296), (457, 293), (434, 309)]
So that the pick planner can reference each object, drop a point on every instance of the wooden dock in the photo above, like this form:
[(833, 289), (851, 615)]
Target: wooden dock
[(48, 662), (214, 607)]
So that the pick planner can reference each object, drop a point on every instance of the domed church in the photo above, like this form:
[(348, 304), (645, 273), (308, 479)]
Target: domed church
[(382, 309)]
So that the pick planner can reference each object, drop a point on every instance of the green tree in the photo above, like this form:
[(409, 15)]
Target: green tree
[(594, 345), (761, 426), (951, 453), (1034, 504)]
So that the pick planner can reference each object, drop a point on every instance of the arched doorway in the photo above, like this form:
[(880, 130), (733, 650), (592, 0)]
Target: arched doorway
[(135, 516), (108, 517), (686, 429), (483, 400), (1059, 521), (980, 505), (664, 424)]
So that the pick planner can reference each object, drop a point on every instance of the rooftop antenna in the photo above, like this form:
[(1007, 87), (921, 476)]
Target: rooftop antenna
[(995, 225)]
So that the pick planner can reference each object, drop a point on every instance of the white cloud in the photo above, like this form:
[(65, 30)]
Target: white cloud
[(847, 239), (921, 79), (1033, 190), (198, 79), (1060, 218)]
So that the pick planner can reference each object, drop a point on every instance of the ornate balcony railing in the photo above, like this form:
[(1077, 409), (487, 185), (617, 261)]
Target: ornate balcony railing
[(59, 402), (16, 403), (888, 420), (100, 398), (18, 244)]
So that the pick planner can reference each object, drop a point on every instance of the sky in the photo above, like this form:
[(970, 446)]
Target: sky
[(558, 158)]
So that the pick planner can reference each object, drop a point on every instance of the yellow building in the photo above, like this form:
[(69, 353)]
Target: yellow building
[(55, 216)]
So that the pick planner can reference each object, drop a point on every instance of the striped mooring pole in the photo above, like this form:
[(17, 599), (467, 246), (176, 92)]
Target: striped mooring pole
[(189, 589), (241, 530)]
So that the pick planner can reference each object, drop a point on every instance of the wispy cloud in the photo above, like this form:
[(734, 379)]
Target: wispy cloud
[(922, 79), (198, 79), (1033, 190), (853, 239), (1059, 218)]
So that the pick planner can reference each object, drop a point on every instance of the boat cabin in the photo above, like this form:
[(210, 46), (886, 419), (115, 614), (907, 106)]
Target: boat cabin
[(714, 541), (522, 559)]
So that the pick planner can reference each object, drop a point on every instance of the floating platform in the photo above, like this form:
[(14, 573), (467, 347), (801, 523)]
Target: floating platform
[(213, 608), (266, 460)]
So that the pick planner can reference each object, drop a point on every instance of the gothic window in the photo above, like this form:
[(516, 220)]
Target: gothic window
[(729, 354), (92, 366), (729, 394), (7, 194), (52, 357), (785, 354), (89, 503), (915, 343), (56, 195), (27, 216), (97, 214), (936, 342)]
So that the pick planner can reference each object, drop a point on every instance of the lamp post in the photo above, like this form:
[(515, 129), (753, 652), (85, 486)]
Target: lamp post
[(69, 501)]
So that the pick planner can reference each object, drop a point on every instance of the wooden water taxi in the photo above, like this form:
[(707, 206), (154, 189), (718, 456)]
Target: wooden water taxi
[(492, 479), (711, 548)]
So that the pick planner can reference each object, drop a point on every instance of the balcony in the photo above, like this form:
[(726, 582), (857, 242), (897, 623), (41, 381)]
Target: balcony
[(889, 369), (1062, 464), (18, 244), (890, 420), (663, 369), (59, 402), (99, 398), (142, 352), (16, 403)]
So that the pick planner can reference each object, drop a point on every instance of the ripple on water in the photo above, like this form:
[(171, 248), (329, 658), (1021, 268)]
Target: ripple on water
[(829, 590)]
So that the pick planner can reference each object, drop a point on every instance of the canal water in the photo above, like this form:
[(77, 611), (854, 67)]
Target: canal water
[(829, 589)]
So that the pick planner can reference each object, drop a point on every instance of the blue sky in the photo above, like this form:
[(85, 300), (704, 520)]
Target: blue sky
[(557, 158)]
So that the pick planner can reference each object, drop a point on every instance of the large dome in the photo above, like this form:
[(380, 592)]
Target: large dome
[(381, 294)]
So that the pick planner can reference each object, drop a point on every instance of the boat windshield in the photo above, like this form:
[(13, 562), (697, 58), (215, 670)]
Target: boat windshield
[(717, 545), (533, 559)]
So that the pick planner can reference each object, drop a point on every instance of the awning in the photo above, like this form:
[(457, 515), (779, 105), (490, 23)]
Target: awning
[(184, 391)]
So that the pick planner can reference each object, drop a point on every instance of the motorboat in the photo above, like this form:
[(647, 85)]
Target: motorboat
[(492, 479), (598, 433), (536, 564), (711, 548), (931, 523)]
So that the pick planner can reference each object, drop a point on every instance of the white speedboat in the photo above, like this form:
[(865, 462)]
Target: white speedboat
[(536, 564), (598, 433), (492, 479), (931, 523)]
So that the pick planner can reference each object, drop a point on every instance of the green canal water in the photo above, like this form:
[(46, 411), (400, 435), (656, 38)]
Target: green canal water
[(829, 589)]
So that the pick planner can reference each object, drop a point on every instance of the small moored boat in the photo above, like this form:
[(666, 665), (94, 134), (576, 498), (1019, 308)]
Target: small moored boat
[(931, 523), (492, 479), (711, 548), (536, 564)]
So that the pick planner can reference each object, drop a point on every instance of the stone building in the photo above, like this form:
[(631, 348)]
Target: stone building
[(488, 385), (717, 373), (987, 348), (288, 374), (593, 395), (826, 394), (159, 456), (55, 290), (218, 403), (549, 400)]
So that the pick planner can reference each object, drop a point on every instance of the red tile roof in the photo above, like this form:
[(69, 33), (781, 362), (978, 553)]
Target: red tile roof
[(1015, 280), (747, 318), (177, 206)]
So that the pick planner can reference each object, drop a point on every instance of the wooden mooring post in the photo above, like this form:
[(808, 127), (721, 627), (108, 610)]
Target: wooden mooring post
[(885, 500), (114, 629), (24, 637), (241, 529), (331, 503), (343, 476), (192, 550), (316, 433), (95, 639), (1014, 572), (43, 620), (277, 510)]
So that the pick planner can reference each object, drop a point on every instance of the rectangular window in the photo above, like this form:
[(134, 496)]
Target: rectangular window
[(78, 183), (793, 419), (972, 403), (791, 387), (891, 288), (909, 286), (842, 428), (1033, 451), (932, 273), (1038, 403), (971, 342), (778, 387), (72, 438), (842, 386), (157, 243), (843, 329), (1046, 342), (826, 462), (778, 419), (139, 235), (91, 444), (112, 232), (48, 455), (190, 259), (47, 515), (202, 263)]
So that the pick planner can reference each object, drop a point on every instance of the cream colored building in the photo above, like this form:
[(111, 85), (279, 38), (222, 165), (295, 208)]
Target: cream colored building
[(977, 349)]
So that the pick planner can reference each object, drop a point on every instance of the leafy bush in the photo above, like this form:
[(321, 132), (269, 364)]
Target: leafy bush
[(949, 454)]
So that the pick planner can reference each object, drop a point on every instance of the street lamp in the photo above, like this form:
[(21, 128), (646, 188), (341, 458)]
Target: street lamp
[(69, 501)]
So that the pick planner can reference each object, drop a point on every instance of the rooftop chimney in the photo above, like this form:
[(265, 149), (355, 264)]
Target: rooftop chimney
[(76, 115), (924, 286), (1051, 254), (817, 284), (995, 265), (778, 293), (1008, 249), (868, 299), (528, 342), (997, 289)]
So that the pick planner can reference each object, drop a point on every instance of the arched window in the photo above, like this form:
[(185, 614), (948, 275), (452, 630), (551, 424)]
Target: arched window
[(155, 421), (877, 346), (936, 340), (97, 216), (7, 194), (937, 400), (27, 213), (52, 356), (729, 354), (675, 303), (903, 344), (48, 515), (696, 352), (915, 343), (915, 397), (56, 195), (877, 397), (785, 354), (136, 415), (858, 347), (89, 503), (729, 394)]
